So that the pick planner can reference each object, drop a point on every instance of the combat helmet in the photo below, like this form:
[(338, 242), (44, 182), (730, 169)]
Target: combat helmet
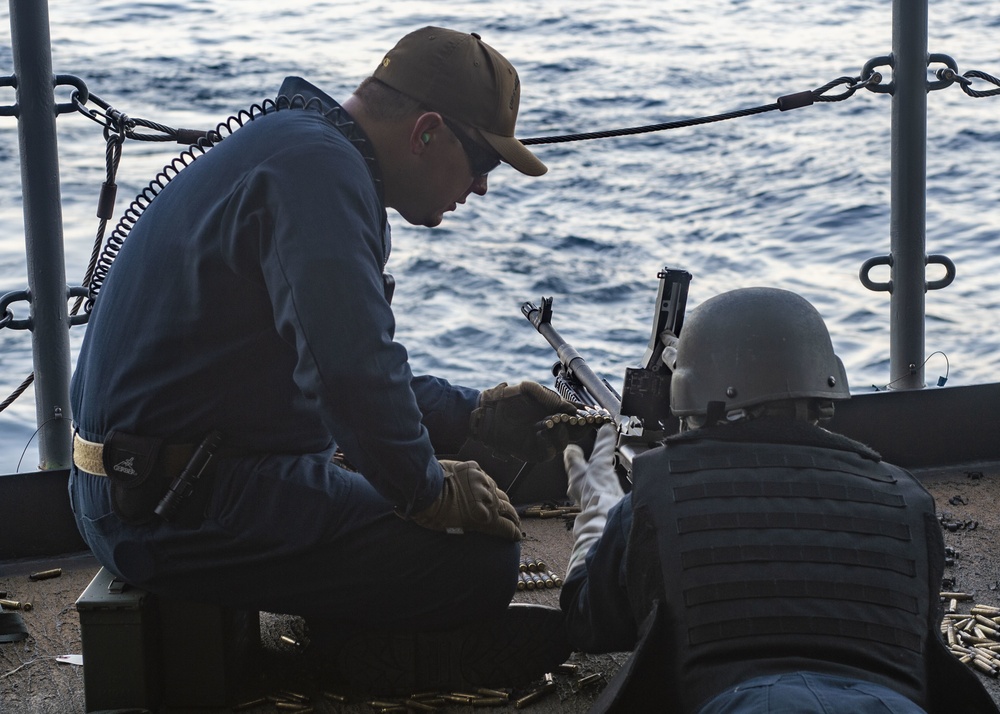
[(753, 346)]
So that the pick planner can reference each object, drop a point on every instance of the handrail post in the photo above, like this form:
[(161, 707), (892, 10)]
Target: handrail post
[(908, 194), (43, 232)]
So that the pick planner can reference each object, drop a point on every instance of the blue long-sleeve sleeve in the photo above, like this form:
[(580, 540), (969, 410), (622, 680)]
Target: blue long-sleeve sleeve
[(249, 298)]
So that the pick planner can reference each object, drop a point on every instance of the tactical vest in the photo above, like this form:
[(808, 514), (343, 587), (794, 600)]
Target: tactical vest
[(776, 558)]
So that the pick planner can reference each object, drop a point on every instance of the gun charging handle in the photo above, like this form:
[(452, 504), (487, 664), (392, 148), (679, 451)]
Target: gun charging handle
[(669, 355)]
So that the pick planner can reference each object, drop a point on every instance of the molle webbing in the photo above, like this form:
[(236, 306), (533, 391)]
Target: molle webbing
[(762, 487), (806, 625), (773, 553), (770, 456), (794, 521), (794, 553), (831, 589)]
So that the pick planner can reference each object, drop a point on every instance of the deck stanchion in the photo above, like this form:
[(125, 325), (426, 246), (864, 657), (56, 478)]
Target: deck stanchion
[(43, 230), (908, 194)]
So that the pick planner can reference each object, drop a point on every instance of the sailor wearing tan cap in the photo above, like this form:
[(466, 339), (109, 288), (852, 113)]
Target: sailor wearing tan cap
[(438, 100), (249, 304)]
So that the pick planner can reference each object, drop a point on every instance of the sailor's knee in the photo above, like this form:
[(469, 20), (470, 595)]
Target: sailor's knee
[(493, 570)]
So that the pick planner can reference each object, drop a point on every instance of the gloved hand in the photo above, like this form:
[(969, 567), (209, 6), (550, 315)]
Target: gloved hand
[(594, 485), (511, 419), (470, 500)]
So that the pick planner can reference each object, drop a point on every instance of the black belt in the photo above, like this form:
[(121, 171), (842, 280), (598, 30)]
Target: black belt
[(150, 478), (89, 456)]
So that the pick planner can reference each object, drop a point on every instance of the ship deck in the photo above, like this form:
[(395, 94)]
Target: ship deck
[(33, 681)]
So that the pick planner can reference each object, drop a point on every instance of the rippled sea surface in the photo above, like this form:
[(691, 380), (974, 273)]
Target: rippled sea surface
[(796, 199)]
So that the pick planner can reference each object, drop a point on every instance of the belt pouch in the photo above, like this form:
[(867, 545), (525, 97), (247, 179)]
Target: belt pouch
[(137, 485)]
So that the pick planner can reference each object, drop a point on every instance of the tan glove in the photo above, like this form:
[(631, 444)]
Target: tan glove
[(470, 500), (511, 419)]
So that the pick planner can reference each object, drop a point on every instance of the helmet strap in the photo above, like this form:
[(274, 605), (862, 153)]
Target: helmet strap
[(715, 412)]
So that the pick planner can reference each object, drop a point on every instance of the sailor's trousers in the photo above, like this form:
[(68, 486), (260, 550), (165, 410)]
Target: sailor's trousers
[(297, 534)]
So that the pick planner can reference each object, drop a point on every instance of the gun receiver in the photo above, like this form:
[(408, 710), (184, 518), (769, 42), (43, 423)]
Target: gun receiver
[(642, 415), (647, 389)]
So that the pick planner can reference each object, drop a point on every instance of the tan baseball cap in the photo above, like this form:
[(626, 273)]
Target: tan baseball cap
[(463, 78)]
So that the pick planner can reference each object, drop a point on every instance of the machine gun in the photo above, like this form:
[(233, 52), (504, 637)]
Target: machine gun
[(642, 414)]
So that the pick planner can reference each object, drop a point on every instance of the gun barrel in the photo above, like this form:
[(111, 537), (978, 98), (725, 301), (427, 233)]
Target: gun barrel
[(570, 358)]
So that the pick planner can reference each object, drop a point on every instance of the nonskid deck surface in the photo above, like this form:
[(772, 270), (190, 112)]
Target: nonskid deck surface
[(33, 681)]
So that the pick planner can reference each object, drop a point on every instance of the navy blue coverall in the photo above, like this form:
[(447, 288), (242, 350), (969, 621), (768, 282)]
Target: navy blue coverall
[(249, 298)]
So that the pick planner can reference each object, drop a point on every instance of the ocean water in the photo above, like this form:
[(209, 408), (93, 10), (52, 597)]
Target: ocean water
[(795, 200)]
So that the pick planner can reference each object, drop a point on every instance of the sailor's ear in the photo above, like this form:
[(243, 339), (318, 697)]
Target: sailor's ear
[(424, 130)]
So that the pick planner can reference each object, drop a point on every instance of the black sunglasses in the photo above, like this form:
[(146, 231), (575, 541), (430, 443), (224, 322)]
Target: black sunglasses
[(482, 159)]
